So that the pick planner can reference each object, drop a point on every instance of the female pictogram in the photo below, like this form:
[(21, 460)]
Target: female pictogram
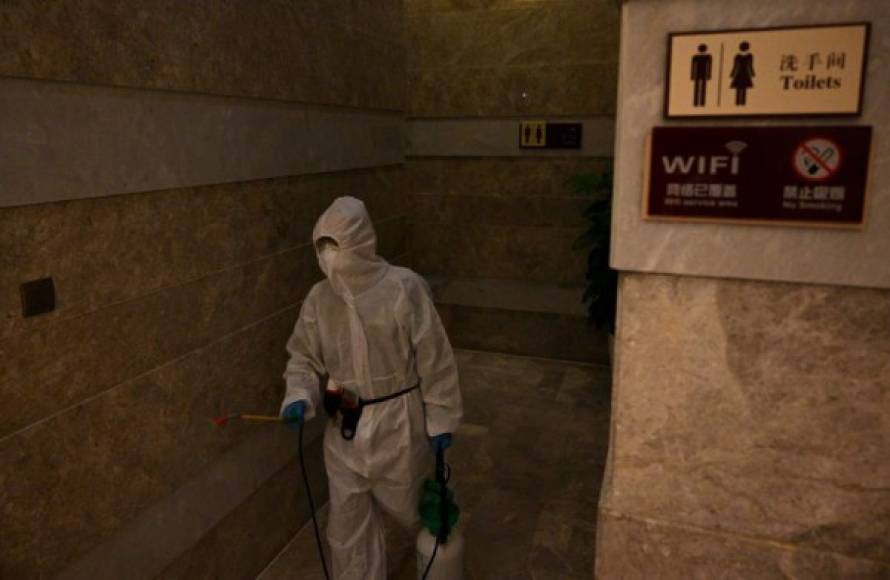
[(742, 74)]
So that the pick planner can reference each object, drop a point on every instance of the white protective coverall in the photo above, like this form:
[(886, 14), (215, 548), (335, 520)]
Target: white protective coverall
[(372, 328)]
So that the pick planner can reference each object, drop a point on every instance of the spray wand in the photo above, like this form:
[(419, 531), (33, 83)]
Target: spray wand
[(221, 421)]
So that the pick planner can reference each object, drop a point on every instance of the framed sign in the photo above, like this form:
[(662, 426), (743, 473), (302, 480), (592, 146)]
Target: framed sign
[(805, 70), (805, 176)]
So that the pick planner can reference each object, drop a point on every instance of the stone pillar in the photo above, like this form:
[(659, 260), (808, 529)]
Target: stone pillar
[(750, 431)]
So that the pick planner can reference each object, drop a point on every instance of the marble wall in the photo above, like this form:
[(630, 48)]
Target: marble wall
[(173, 306), (507, 218), (482, 210), (272, 50), (808, 255), (511, 57), (749, 430), (85, 133)]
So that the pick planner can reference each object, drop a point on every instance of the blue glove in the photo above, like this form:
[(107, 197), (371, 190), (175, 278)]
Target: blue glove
[(294, 414), (440, 442)]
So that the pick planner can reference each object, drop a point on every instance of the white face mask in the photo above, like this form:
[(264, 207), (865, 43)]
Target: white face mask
[(327, 256)]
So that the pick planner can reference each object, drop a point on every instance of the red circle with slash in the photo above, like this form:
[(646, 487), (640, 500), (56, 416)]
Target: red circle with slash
[(817, 158)]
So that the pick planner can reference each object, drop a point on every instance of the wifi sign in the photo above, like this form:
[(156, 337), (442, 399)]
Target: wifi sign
[(705, 164), (808, 175)]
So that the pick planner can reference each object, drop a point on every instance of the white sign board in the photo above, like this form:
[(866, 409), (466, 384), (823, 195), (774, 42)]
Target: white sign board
[(813, 70)]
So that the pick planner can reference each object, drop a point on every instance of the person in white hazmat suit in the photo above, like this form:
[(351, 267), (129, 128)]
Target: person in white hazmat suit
[(371, 328)]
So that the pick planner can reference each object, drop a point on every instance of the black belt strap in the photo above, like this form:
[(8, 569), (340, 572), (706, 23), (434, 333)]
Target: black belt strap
[(374, 401)]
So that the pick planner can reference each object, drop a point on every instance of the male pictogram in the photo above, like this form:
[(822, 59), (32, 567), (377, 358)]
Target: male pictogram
[(701, 74)]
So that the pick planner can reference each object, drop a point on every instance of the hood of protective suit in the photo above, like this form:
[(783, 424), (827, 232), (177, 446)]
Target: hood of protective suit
[(355, 267)]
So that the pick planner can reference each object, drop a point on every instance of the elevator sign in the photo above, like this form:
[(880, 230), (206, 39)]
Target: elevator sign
[(812, 70), (808, 176)]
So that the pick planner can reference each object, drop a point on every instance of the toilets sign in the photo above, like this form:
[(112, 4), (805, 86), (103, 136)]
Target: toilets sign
[(807, 176), (812, 70)]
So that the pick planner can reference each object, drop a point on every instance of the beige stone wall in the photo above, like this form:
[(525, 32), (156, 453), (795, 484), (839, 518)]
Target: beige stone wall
[(502, 58), (173, 306), (306, 51), (750, 432), (499, 218), (750, 393), (805, 255), (490, 216)]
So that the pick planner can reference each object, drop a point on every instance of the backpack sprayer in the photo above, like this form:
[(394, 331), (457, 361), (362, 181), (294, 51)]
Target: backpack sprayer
[(438, 541)]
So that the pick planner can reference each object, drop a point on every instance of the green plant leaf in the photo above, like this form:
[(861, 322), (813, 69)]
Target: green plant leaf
[(601, 290)]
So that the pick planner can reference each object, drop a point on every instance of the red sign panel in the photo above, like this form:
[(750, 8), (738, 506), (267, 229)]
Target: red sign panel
[(796, 175)]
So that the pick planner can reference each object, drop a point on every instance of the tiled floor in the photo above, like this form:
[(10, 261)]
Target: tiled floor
[(527, 466)]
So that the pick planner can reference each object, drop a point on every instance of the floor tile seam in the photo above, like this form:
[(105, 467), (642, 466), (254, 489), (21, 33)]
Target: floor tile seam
[(535, 358), (192, 353), (180, 284), (747, 538)]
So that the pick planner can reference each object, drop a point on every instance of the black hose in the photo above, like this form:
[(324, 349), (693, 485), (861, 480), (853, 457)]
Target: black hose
[(324, 565), (443, 474), (432, 559)]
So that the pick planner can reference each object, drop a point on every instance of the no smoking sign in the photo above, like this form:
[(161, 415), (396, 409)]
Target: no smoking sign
[(817, 158)]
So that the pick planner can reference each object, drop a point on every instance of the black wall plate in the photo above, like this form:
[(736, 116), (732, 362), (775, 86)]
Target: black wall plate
[(38, 297)]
